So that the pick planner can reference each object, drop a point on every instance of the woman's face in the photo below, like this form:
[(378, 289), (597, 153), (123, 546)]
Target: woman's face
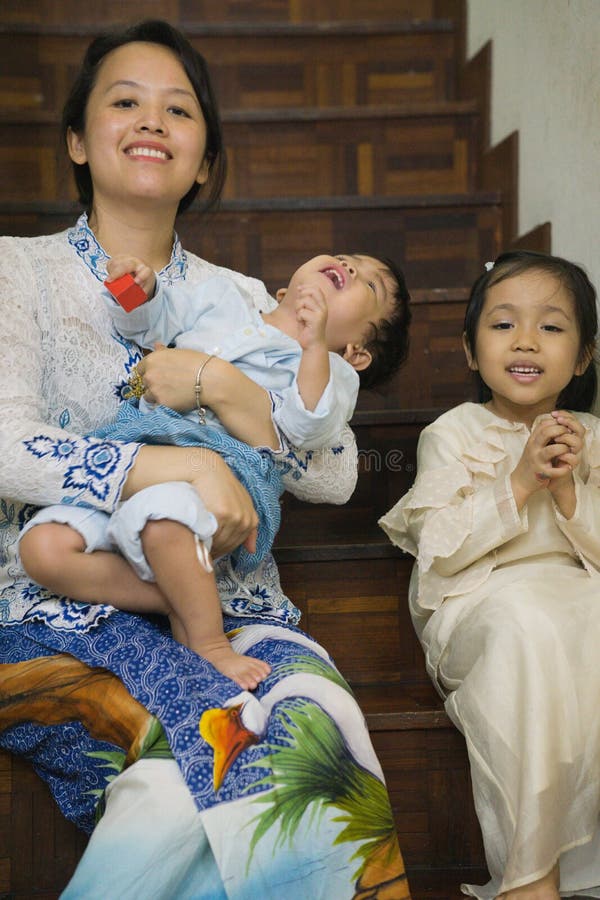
[(145, 136)]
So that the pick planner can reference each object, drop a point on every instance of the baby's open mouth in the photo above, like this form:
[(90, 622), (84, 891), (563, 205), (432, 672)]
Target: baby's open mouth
[(335, 276)]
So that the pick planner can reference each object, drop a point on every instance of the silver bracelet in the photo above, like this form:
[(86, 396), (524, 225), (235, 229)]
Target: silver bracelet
[(198, 391)]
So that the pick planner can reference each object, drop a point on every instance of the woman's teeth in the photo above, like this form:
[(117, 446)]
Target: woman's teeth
[(147, 151)]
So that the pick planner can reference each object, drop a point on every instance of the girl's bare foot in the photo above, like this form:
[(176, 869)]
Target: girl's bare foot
[(545, 888), (247, 671)]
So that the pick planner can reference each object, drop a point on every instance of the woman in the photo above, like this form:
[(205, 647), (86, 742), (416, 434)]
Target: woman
[(225, 793)]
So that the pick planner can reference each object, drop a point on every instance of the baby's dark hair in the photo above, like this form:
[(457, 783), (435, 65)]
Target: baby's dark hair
[(152, 31), (579, 395), (389, 341)]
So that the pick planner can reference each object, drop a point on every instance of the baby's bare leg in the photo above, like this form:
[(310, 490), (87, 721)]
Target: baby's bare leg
[(195, 615), (53, 555)]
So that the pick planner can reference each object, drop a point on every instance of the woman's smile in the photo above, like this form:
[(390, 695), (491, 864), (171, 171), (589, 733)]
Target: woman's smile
[(146, 150)]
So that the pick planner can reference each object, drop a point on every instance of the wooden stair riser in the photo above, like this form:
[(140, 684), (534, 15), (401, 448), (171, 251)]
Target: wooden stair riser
[(435, 375), (378, 154), (184, 12), (436, 245), (260, 71), (427, 775), (357, 609), (39, 848), (387, 463)]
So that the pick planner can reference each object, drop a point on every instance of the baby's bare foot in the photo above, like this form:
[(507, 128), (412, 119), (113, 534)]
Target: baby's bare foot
[(246, 671)]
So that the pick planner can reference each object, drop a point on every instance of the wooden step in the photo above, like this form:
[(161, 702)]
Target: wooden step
[(325, 64), (357, 609), (440, 241), (435, 376), (387, 151), (39, 848), (443, 884), (57, 12)]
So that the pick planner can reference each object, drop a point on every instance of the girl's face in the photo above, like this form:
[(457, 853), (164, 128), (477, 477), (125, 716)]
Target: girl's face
[(145, 136), (527, 345)]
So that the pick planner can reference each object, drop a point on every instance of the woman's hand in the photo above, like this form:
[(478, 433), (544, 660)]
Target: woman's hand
[(169, 377), (229, 501), (221, 492)]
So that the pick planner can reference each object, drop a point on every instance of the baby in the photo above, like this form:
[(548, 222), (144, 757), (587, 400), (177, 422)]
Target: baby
[(341, 322)]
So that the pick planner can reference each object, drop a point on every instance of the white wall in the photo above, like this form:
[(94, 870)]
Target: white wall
[(546, 85)]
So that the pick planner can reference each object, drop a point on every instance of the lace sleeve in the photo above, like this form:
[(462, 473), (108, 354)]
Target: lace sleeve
[(322, 476), (40, 461)]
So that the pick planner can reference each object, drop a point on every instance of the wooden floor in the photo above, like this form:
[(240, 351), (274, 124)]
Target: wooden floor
[(434, 884)]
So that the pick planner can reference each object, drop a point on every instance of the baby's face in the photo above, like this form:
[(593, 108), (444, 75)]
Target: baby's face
[(359, 292)]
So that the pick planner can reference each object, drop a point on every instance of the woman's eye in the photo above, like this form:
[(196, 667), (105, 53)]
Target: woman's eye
[(178, 111), (124, 104), (553, 328), (502, 326)]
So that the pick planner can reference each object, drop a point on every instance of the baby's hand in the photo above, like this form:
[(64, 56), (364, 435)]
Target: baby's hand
[(311, 315), (142, 273)]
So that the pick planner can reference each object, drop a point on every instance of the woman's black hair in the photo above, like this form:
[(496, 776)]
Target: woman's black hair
[(152, 31), (389, 343), (579, 395)]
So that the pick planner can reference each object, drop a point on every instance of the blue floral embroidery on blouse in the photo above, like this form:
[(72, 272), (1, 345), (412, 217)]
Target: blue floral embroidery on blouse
[(93, 460)]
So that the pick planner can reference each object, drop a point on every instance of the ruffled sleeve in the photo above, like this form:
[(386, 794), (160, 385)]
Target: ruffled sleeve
[(458, 512), (583, 528)]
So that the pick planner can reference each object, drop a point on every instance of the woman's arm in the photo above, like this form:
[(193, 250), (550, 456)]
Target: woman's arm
[(41, 460), (324, 476)]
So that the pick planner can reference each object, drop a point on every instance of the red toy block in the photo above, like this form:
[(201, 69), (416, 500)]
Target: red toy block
[(126, 292)]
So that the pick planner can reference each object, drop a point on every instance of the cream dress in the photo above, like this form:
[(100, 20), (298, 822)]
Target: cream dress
[(507, 608)]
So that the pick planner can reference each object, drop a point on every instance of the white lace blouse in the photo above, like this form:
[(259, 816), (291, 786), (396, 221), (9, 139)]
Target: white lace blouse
[(64, 369)]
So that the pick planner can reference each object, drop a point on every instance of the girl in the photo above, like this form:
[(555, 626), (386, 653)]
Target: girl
[(503, 520)]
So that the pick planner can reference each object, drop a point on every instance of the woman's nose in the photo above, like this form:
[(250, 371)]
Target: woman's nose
[(151, 120)]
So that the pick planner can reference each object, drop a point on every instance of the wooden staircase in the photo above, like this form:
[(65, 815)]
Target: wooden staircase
[(350, 125)]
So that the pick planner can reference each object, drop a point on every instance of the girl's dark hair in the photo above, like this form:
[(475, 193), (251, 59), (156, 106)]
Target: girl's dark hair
[(580, 394), (152, 31), (389, 343)]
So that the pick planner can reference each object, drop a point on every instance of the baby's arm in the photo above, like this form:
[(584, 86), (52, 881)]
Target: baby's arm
[(142, 274), (313, 372)]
